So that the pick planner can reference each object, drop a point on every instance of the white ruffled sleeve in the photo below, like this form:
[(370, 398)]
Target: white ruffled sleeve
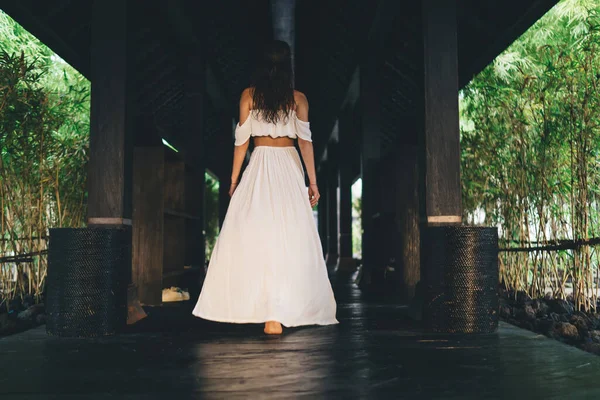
[(243, 132), (303, 130)]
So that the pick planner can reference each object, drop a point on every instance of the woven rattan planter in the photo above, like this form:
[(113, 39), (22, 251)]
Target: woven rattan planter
[(461, 279), (87, 281)]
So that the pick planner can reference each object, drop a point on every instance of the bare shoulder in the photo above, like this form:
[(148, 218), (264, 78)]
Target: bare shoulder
[(246, 98), (247, 92), (301, 105), (300, 98)]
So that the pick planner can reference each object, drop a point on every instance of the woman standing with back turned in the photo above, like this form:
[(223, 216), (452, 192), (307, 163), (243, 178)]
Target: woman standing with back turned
[(267, 264)]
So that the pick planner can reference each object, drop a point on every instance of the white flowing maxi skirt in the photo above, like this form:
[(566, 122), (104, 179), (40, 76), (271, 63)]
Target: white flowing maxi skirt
[(267, 263)]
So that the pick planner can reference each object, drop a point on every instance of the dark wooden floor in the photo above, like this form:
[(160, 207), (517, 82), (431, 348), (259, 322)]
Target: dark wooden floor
[(375, 352)]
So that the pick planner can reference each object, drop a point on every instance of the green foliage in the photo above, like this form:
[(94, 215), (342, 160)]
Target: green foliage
[(530, 143), (44, 130), (211, 213)]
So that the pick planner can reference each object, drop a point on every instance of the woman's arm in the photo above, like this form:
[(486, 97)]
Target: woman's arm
[(306, 147), (307, 151), (239, 152)]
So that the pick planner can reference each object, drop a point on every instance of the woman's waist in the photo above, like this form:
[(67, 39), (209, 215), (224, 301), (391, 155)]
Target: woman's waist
[(279, 141), (274, 135)]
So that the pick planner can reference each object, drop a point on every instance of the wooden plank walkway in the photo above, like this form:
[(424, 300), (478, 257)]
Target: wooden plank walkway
[(375, 352)]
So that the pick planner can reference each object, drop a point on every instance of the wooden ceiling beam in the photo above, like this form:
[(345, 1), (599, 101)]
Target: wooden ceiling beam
[(385, 12), (216, 92), (353, 92), (187, 35), (488, 52), (156, 100), (154, 73), (57, 8)]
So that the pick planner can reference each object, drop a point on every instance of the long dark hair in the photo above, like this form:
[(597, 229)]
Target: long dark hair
[(273, 82)]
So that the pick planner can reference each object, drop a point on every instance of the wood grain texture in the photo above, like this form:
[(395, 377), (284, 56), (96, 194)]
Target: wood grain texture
[(407, 218), (109, 187), (148, 223), (173, 244), (441, 126), (194, 226), (175, 184)]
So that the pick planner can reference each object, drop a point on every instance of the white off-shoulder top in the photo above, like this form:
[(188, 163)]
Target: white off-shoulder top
[(255, 126)]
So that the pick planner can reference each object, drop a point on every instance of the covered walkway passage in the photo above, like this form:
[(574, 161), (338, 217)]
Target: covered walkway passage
[(382, 79)]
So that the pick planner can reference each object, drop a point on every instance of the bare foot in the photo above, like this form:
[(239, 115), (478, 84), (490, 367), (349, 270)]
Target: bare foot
[(273, 328)]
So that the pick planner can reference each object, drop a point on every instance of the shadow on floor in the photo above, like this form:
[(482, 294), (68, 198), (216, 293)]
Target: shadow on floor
[(375, 352)]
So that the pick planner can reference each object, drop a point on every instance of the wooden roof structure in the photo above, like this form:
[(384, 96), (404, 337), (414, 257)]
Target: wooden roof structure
[(382, 79), (331, 38)]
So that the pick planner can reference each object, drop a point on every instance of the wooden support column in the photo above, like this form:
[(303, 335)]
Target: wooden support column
[(194, 83), (407, 209), (195, 189), (110, 166), (225, 171), (332, 205), (148, 222), (223, 200), (441, 139), (148, 211), (345, 193), (322, 207), (370, 102), (174, 257), (111, 137)]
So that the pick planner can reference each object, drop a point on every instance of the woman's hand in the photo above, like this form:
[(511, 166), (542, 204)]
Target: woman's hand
[(232, 188), (313, 194)]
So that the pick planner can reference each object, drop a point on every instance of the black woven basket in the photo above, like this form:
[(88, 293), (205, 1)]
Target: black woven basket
[(461, 279), (87, 281)]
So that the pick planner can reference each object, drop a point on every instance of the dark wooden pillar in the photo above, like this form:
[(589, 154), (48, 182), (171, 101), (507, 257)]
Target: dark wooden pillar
[(175, 196), (224, 198), (386, 231), (225, 171), (441, 140), (194, 83), (148, 211), (111, 137), (110, 167), (332, 205), (370, 102), (345, 179), (322, 207), (148, 222), (407, 208)]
